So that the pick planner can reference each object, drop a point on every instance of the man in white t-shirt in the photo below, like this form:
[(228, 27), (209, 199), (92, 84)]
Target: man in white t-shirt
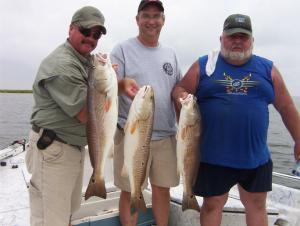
[(142, 60)]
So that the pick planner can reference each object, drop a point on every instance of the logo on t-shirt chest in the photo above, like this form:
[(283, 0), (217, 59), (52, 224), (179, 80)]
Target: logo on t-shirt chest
[(168, 69)]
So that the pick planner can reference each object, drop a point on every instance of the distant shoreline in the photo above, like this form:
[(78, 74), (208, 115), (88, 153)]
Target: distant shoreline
[(15, 91)]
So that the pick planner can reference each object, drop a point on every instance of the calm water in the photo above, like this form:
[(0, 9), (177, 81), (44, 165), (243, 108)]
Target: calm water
[(16, 109)]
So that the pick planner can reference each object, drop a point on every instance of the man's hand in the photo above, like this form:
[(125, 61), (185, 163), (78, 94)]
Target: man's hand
[(178, 94), (115, 67), (128, 86)]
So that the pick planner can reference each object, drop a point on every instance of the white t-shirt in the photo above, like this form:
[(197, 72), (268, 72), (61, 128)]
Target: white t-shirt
[(154, 66)]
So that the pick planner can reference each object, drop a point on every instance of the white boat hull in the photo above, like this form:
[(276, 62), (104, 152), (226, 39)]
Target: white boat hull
[(283, 203), (104, 212)]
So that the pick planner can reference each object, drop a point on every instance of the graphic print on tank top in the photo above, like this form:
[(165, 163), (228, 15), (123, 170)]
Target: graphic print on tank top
[(237, 86)]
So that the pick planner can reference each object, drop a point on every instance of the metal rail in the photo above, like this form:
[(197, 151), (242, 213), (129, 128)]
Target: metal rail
[(286, 176)]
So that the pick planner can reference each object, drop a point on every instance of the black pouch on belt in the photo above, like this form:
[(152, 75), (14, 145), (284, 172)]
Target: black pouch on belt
[(46, 139)]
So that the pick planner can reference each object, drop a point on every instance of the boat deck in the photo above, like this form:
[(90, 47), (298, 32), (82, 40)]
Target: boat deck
[(14, 206)]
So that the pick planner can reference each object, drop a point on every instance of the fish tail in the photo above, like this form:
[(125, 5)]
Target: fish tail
[(137, 203), (96, 187), (190, 202)]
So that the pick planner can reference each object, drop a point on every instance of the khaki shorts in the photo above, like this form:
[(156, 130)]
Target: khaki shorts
[(56, 183), (161, 167)]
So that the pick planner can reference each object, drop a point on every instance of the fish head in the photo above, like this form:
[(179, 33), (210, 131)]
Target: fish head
[(144, 102), (104, 75), (189, 110)]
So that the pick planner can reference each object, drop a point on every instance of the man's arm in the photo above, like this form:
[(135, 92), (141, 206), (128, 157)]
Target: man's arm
[(187, 85), (287, 109)]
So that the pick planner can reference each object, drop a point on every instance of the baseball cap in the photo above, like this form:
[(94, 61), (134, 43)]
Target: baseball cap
[(237, 23), (88, 17), (145, 3)]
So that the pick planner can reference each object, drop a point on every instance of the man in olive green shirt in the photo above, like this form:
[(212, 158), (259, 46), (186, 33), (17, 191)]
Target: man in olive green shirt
[(58, 136)]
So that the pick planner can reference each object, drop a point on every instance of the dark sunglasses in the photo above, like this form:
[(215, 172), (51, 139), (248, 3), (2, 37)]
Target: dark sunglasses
[(86, 32)]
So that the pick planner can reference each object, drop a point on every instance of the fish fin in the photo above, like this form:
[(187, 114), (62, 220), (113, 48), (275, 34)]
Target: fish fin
[(96, 187), (108, 104), (190, 202), (137, 203), (134, 126)]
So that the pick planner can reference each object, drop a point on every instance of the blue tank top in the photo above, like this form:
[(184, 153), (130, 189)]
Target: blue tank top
[(234, 107)]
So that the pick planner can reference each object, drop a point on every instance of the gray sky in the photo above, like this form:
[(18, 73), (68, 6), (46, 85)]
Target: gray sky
[(31, 29)]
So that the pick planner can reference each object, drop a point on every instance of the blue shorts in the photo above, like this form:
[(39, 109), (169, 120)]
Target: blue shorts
[(214, 180)]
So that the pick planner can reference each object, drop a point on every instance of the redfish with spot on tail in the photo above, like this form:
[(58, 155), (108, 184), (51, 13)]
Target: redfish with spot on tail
[(188, 140), (138, 132), (102, 102)]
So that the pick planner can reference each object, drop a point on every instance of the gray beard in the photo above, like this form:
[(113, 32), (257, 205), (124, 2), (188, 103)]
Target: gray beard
[(237, 56)]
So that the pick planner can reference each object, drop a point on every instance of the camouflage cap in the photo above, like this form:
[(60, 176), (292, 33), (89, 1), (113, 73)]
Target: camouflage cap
[(88, 17), (237, 23)]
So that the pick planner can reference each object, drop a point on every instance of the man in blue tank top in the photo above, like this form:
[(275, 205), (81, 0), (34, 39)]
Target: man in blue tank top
[(234, 88)]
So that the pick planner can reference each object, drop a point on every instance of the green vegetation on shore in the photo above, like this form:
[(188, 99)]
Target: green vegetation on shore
[(15, 91)]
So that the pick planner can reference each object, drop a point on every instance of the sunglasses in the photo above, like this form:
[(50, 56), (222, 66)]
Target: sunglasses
[(86, 32)]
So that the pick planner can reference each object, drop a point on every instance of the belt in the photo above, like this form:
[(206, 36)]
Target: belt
[(37, 129)]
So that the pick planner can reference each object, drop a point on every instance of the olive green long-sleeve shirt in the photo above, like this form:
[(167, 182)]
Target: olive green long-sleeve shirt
[(60, 92)]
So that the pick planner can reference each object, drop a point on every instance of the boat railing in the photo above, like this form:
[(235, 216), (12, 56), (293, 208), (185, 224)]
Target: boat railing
[(286, 176)]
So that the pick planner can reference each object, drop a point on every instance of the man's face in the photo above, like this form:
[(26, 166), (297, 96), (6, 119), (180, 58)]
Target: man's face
[(150, 21), (236, 47), (84, 40)]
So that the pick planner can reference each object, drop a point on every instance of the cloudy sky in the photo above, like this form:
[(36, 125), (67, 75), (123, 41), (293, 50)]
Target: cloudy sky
[(31, 29)]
